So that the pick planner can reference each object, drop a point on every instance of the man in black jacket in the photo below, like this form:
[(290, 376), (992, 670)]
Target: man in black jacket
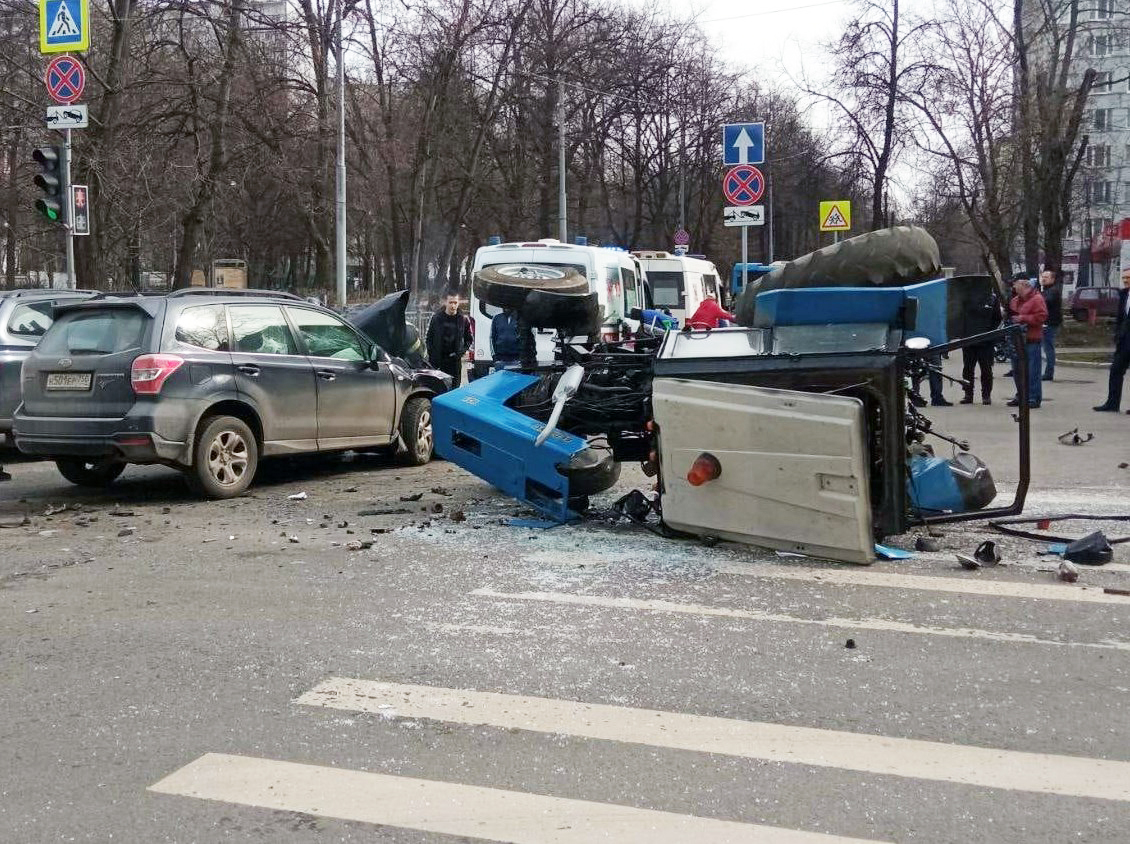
[(1121, 360), (1052, 289), (449, 337), (982, 314)]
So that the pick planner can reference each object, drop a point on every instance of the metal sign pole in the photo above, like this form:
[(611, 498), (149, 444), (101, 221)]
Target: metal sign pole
[(769, 186), (69, 212), (745, 256)]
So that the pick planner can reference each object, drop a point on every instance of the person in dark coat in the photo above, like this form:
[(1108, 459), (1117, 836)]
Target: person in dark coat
[(983, 313), (505, 343), (1051, 287), (1121, 360), (448, 339)]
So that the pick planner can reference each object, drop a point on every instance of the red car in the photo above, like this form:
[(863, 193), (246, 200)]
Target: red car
[(1104, 300)]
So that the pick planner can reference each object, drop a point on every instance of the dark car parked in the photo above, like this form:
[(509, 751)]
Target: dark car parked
[(25, 316), (1104, 300), (210, 381)]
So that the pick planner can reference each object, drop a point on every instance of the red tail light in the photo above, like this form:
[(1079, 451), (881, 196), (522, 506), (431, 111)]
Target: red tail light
[(150, 372), (705, 468)]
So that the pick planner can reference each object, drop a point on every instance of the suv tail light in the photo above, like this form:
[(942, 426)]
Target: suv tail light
[(149, 372), (706, 467)]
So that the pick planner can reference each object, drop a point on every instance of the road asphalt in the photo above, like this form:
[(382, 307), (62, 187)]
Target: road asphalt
[(177, 670)]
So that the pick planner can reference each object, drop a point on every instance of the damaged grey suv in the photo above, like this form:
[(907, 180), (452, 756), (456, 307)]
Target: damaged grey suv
[(210, 381)]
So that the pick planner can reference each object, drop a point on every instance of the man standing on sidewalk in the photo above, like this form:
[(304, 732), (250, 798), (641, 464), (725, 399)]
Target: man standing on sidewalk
[(1028, 309), (1121, 360), (1051, 288), (982, 314)]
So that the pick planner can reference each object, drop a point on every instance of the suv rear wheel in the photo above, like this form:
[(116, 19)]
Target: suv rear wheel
[(225, 458), (416, 431), (96, 473)]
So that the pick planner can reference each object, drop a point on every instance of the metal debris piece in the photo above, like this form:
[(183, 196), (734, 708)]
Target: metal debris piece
[(927, 543), (850, 644), (987, 553), (298, 496), (414, 497), (441, 490), (1110, 590), (1072, 437), (968, 563), (383, 511)]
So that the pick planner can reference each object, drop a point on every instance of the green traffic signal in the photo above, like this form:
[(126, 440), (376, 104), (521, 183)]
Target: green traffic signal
[(48, 180)]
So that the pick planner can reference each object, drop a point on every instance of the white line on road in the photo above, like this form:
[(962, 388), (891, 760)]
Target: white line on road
[(879, 624), (965, 586), (1074, 776), (490, 814)]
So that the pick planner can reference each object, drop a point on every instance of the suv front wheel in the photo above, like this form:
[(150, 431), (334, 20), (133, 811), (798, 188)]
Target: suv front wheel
[(94, 473), (225, 458), (416, 431)]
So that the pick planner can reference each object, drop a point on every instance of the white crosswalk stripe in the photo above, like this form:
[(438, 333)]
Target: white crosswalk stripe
[(876, 624), (489, 814), (984, 766)]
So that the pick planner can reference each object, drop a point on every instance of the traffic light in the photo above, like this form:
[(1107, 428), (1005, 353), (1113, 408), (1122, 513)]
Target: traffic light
[(50, 181)]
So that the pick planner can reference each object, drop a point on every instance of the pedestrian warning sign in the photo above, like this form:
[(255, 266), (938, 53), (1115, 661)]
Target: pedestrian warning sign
[(835, 215), (64, 26)]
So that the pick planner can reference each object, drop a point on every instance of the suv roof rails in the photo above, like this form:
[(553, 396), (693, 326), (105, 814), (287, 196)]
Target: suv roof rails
[(42, 291), (219, 291)]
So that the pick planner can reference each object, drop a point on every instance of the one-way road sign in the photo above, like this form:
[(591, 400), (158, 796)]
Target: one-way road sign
[(743, 143)]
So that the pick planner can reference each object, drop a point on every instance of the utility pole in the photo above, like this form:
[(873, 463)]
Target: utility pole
[(69, 211), (562, 219), (340, 264)]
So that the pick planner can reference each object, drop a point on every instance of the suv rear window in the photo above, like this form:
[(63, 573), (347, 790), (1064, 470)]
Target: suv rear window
[(31, 320), (90, 332)]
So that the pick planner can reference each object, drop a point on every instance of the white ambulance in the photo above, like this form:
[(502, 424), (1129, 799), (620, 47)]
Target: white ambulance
[(613, 274), (679, 283)]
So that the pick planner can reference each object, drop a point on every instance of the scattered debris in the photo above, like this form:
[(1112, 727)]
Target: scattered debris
[(24, 522), (1068, 573), (437, 508), (383, 511), (343, 524), (166, 510), (29, 612), (968, 563), (125, 514), (127, 531), (1124, 465), (850, 644), (927, 543), (885, 552), (458, 516), (350, 489), (46, 533), (1110, 590), (1072, 438), (357, 545), (298, 496), (441, 490), (1092, 550), (987, 553), (52, 509), (293, 539), (414, 497)]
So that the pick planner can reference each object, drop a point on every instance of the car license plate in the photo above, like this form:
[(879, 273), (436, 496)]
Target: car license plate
[(68, 381)]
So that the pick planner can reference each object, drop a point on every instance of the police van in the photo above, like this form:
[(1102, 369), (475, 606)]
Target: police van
[(679, 283), (613, 274)]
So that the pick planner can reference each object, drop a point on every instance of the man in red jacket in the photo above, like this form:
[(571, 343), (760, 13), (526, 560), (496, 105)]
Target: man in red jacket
[(1029, 309), (708, 313)]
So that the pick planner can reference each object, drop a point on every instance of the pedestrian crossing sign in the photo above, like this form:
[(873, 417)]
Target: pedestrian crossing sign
[(64, 26), (835, 215)]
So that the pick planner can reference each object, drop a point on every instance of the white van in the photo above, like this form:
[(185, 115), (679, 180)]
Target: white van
[(679, 283), (613, 274)]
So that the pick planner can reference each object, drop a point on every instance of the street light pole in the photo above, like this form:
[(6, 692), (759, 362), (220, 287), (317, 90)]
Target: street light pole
[(562, 206), (341, 251)]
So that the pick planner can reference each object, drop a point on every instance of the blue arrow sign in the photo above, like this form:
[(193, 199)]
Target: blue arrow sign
[(743, 143)]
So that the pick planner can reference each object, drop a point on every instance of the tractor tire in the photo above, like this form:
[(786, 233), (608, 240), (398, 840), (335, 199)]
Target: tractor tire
[(573, 314), (892, 257), (95, 473), (507, 285)]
